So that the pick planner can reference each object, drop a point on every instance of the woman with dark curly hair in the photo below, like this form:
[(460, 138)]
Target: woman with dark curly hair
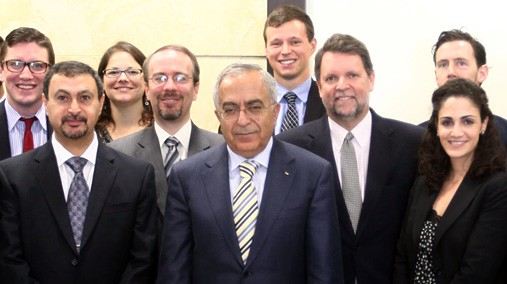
[(455, 229), (126, 109)]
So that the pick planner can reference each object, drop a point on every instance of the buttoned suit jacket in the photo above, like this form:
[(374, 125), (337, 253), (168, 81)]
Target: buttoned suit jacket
[(5, 148), (144, 145), (296, 237), (470, 244), (119, 235), (368, 255)]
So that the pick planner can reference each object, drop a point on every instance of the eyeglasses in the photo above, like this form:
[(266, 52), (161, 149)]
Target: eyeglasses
[(17, 66), (178, 79), (253, 111), (115, 73)]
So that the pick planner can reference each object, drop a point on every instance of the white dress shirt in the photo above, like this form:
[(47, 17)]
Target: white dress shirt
[(361, 143)]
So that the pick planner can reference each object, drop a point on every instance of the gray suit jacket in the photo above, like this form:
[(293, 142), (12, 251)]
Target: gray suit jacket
[(144, 145)]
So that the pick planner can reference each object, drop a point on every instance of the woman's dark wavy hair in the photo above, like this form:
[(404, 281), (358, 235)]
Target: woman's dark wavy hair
[(489, 156), (105, 117)]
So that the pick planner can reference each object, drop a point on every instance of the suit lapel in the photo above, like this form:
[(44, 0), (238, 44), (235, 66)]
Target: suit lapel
[(378, 168), (424, 203), (196, 143), (464, 195), (5, 149), (46, 170), (277, 185), (148, 149), (320, 144), (103, 177), (315, 108), (219, 197)]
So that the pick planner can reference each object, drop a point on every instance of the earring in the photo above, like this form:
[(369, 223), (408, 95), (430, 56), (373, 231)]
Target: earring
[(146, 103), (437, 134), (482, 132)]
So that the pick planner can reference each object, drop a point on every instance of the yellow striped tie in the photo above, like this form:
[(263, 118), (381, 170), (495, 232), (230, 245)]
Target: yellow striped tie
[(245, 207)]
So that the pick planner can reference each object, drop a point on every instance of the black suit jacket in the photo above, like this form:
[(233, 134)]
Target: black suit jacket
[(500, 123), (314, 107), (368, 256), (296, 237), (36, 239), (470, 243), (5, 145)]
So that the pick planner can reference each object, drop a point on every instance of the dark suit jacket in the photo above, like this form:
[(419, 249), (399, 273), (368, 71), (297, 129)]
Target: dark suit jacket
[(470, 243), (296, 237), (5, 145), (368, 256), (500, 123), (144, 145), (314, 107), (36, 239)]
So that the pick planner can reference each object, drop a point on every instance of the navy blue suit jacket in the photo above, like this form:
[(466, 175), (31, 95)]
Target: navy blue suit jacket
[(296, 237), (368, 256)]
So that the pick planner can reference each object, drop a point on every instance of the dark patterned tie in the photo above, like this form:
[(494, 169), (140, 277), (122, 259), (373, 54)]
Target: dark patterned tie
[(350, 180), (291, 116), (245, 207), (172, 154), (77, 200), (28, 136)]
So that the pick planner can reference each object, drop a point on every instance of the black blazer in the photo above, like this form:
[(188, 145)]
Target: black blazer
[(471, 237), (5, 145), (368, 256), (314, 107), (119, 235)]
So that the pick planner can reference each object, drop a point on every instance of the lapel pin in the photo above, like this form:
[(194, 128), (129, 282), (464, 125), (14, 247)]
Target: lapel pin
[(286, 173)]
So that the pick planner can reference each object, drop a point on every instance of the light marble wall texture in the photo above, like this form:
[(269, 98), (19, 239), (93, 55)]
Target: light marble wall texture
[(217, 32)]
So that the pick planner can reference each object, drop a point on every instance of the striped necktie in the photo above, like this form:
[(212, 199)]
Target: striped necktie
[(245, 207), (290, 119)]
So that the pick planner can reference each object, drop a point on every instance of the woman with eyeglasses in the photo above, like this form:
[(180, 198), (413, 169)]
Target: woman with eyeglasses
[(455, 228), (126, 109)]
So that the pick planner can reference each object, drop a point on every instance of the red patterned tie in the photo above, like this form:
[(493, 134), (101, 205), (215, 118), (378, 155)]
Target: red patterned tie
[(28, 137)]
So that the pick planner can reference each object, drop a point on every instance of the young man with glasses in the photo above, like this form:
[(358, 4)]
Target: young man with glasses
[(25, 57), (172, 78)]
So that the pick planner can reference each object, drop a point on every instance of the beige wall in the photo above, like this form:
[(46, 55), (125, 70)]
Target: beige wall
[(217, 32)]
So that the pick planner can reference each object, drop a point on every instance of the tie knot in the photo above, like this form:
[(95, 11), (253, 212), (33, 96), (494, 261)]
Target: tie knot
[(171, 142), (290, 97), (349, 137), (248, 168), (76, 164), (28, 121)]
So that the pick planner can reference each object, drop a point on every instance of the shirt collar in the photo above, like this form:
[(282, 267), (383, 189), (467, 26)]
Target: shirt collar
[(62, 154), (183, 134), (362, 131), (262, 158), (13, 116), (301, 91)]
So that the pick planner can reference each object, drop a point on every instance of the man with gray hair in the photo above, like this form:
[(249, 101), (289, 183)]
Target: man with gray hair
[(255, 209)]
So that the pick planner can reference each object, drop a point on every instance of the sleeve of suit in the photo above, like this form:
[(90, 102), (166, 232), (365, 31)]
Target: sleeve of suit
[(487, 243), (142, 264), (324, 255), (177, 241), (13, 267)]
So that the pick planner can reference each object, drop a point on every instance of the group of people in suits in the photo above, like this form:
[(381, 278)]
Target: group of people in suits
[(276, 202)]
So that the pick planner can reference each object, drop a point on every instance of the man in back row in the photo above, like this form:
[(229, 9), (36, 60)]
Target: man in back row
[(458, 55), (172, 83), (25, 57), (290, 42), (374, 159)]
